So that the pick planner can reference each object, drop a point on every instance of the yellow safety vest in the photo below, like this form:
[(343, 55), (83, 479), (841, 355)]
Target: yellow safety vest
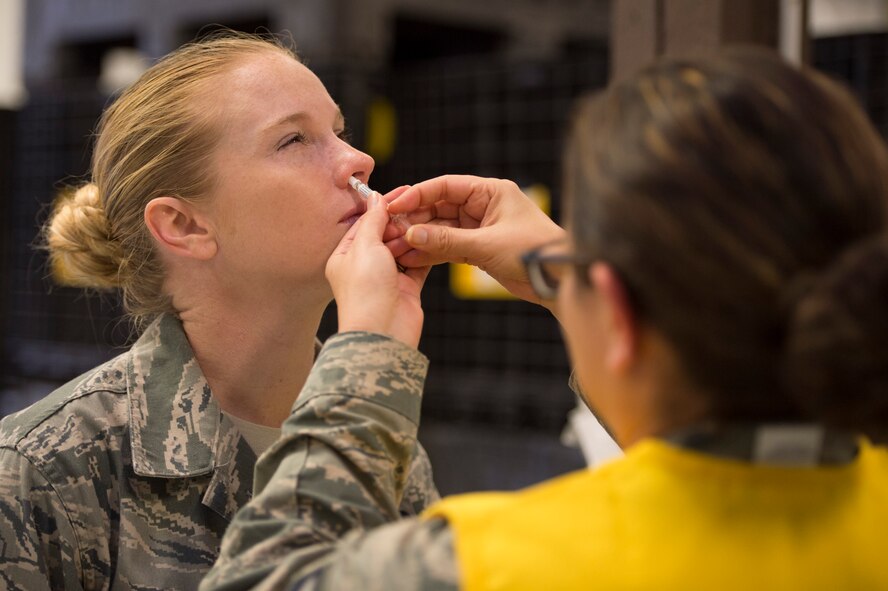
[(664, 518)]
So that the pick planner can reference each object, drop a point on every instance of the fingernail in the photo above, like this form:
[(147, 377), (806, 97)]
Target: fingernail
[(417, 236), (374, 199)]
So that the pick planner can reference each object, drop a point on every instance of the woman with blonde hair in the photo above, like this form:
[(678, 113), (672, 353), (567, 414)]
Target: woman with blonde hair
[(219, 189), (722, 289)]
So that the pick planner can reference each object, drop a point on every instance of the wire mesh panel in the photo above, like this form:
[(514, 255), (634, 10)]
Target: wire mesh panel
[(7, 166), (861, 61), (52, 332), (493, 361)]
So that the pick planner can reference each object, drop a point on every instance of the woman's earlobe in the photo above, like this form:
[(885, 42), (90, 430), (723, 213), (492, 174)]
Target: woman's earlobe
[(179, 229), (620, 321)]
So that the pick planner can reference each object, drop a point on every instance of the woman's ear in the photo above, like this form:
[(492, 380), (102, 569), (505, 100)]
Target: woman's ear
[(179, 229), (621, 340)]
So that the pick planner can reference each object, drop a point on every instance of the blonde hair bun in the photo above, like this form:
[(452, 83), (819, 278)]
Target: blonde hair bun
[(82, 252)]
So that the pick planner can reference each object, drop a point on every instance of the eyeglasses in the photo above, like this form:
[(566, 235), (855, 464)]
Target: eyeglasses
[(546, 271)]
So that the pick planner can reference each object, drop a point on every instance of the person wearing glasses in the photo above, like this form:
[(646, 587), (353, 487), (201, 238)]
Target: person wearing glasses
[(721, 286)]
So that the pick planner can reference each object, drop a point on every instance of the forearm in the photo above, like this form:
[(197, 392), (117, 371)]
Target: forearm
[(341, 465)]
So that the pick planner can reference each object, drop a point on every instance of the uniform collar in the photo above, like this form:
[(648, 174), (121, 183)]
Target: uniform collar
[(782, 444), (176, 426)]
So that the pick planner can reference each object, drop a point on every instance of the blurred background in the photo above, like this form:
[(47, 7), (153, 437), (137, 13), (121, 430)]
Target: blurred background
[(427, 88)]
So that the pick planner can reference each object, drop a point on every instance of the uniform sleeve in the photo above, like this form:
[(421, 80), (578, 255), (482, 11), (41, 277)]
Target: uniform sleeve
[(330, 493), (37, 544), (420, 491)]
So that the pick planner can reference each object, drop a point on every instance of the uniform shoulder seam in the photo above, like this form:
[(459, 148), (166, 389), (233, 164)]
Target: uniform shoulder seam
[(13, 440)]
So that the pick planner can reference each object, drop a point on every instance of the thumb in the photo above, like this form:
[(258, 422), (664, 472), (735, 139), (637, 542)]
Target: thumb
[(374, 220), (446, 243)]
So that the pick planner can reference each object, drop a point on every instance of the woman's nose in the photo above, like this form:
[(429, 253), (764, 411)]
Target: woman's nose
[(357, 163)]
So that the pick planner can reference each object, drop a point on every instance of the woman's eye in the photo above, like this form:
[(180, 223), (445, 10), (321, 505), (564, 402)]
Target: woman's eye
[(298, 138), (345, 135)]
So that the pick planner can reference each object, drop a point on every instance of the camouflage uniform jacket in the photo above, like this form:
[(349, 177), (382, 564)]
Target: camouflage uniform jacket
[(325, 513), (126, 477)]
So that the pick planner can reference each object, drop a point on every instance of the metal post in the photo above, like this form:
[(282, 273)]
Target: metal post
[(642, 30)]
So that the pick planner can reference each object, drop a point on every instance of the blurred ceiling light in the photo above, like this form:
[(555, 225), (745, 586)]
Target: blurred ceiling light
[(12, 26), (121, 67), (848, 17)]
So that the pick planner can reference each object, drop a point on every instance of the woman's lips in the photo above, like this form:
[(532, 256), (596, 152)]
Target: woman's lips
[(352, 215)]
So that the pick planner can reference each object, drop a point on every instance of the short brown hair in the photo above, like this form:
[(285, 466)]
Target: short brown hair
[(743, 201)]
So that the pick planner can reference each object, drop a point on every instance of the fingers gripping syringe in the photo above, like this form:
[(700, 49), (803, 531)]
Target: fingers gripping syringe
[(364, 191)]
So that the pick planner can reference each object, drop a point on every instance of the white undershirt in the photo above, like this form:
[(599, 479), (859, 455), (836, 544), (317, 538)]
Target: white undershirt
[(258, 437)]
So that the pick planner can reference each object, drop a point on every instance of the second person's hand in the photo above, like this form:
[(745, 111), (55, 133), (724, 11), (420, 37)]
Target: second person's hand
[(488, 223)]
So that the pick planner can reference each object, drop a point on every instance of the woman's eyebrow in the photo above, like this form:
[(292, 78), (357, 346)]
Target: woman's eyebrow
[(338, 119), (291, 118)]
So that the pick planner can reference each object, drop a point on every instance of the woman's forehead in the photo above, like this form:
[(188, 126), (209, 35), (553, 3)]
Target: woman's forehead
[(265, 89)]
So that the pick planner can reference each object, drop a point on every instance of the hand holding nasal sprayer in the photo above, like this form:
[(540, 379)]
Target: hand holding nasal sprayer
[(364, 191), (370, 295)]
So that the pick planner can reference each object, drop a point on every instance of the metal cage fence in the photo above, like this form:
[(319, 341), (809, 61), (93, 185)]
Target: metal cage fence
[(493, 361), (51, 332), (499, 362), (861, 62)]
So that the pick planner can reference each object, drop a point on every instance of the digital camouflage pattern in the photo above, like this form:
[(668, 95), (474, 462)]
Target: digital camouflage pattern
[(126, 477), (325, 515)]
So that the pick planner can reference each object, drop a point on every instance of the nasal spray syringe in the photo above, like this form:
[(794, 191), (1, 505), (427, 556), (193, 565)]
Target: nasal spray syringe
[(364, 191)]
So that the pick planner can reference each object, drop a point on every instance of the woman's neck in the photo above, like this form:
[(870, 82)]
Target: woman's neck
[(255, 360)]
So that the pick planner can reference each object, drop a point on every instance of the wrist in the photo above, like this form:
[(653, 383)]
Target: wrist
[(353, 325), (374, 328)]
